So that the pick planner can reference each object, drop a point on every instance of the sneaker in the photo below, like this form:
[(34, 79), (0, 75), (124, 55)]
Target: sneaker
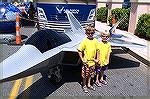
[(91, 87), (85, 89), (103, 82), (98, 84)]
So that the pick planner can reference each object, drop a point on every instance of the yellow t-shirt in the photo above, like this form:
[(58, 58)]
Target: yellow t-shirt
[(89, 47), (105, 49)]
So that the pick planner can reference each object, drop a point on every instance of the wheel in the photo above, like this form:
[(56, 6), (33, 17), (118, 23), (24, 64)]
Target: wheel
[(53, 75), (56, 76)]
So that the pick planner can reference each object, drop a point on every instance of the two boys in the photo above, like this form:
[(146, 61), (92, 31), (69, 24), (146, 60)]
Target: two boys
[(91, 53)]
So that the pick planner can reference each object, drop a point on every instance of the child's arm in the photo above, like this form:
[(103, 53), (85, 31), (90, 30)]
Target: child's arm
[(108, 57), (81, 50), (81, 57), (98, 57)]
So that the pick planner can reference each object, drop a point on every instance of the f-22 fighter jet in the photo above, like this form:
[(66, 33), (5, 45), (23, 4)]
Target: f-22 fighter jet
[(45, 50)]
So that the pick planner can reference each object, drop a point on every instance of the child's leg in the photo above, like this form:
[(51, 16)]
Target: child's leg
[(102, 80), (89, 81), (84, 81), (101, 75), (97, 77), (90, 77), (97, 81), (84, 76), (98, 69)]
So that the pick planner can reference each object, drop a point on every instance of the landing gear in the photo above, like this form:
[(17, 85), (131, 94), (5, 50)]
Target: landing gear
[(54, 75)]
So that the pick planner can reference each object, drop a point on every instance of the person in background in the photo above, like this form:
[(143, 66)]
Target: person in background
[(31, 11), (113, 21), (87, 51), (104, 56)]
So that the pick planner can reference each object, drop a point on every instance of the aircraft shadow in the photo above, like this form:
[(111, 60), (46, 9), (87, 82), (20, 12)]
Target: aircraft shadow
[(43, 88), (118, 62)]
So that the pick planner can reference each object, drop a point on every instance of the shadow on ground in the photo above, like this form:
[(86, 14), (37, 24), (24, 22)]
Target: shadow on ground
[(120, 59)]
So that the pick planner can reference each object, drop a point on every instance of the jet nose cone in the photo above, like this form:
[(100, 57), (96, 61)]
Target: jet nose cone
[(26, 57)]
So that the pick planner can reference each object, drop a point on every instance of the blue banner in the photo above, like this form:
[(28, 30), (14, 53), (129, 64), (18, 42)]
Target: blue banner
[(56, 12)]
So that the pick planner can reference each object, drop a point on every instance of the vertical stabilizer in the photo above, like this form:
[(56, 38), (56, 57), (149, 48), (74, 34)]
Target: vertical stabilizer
[(74, 23)]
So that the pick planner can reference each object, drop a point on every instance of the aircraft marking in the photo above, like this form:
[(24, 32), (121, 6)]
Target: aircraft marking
[(28, 82), (15, 89)]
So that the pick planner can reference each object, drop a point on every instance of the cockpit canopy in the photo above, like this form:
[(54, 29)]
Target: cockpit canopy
[(45, 40)]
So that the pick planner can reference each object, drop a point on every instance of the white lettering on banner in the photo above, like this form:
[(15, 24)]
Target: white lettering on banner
[(74, 11), (62, 10)]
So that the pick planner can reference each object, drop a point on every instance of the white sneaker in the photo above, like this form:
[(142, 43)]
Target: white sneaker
[(92, 88), (85, 89)]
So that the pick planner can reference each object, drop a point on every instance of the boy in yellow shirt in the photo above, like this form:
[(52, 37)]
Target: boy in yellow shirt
[(87, 51), (104, 54)]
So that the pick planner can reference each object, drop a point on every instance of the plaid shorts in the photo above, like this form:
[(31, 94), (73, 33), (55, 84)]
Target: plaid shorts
[(88, 71)]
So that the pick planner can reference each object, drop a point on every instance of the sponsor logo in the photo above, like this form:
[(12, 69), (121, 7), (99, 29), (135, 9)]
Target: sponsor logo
[(59, 9)]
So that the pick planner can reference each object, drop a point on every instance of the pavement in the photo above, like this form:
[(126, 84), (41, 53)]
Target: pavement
[(142, 53)]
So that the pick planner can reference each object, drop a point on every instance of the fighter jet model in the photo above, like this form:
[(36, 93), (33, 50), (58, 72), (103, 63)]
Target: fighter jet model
[(45, 50)]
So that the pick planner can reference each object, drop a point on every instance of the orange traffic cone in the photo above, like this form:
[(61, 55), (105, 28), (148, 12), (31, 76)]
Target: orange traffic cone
[(18, 37), (113, 22)]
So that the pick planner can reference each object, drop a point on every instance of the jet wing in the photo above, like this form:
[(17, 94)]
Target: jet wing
[(124, 43)]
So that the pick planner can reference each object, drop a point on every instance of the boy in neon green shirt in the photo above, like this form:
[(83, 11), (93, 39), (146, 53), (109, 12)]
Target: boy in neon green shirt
[(87, 51), (105, 49)]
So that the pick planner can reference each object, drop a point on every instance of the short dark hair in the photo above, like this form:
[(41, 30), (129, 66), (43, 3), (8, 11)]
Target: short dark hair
[(90, 28)]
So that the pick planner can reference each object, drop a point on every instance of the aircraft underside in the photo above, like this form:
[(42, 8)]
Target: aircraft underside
[(51, 68)]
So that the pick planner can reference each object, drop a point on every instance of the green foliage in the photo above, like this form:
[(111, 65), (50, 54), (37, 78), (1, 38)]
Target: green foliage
[(119, 13), (143, 26), (102, 14)]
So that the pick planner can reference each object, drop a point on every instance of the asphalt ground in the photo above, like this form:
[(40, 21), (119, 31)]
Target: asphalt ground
[(127, 78)]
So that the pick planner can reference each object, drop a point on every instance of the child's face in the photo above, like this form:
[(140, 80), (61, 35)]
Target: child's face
[(104, 37), (89, 34)]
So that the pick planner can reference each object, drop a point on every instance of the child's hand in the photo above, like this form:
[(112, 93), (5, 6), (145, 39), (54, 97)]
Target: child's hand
[(108, 61), (96, 61), (84, 60)]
